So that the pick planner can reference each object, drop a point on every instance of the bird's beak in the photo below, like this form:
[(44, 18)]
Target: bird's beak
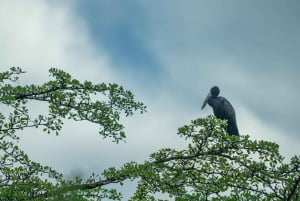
[(206, 100)]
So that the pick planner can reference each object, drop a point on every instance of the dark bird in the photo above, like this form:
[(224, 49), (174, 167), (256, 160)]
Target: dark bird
[(222, 109)]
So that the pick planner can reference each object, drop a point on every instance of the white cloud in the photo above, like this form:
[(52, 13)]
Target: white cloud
[(259, 129), (37, 35)]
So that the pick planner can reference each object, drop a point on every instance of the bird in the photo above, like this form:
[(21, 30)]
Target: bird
[(222, 109)]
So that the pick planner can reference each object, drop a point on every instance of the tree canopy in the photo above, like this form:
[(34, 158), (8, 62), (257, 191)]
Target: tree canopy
[(213, 166)]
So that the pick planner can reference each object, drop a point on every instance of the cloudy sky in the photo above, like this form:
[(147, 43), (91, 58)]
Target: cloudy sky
[(168, 53)]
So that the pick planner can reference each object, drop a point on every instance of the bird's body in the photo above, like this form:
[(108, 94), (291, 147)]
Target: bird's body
[(222, 110)]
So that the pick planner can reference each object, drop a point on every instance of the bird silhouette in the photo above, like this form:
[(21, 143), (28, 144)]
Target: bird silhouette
[(222, 109)]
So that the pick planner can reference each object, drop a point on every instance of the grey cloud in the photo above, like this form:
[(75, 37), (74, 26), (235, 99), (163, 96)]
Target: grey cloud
[(249, 48)]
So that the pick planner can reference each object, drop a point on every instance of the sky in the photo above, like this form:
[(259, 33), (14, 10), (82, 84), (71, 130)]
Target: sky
[(169, 54)]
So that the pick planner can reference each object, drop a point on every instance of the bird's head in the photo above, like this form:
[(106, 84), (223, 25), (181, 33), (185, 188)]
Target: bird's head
[(213, 92)]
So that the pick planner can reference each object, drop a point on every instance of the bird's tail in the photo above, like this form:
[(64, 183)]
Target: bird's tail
[(232, 129)]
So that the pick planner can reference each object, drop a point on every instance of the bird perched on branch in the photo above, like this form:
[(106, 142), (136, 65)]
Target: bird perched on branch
[(222, 109)]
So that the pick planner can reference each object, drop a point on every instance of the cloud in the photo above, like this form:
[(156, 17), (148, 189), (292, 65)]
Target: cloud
[(238, 46), (260, 129), (37, 35)]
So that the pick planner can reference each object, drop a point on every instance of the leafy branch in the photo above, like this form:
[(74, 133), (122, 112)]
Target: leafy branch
[(67, 98), (213, 166), (101, 104), (222, 168)]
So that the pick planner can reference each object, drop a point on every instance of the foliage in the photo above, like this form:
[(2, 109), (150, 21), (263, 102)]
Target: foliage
[(67, 98), (213, 166), (217, 166)]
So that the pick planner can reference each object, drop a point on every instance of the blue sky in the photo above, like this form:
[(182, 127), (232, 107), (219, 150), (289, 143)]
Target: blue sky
[(169, 54)]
